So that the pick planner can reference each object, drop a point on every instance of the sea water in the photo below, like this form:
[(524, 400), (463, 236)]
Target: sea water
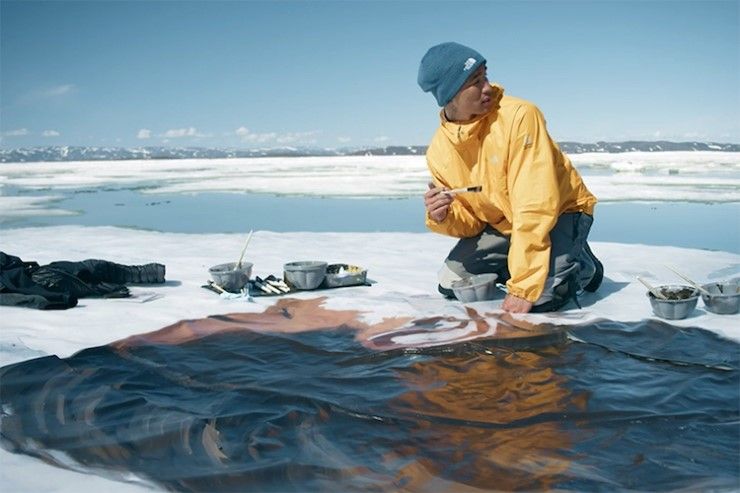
[(712, 226)]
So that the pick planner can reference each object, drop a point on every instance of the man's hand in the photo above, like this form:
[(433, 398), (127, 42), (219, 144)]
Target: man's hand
[(437, 203), (514, 304)]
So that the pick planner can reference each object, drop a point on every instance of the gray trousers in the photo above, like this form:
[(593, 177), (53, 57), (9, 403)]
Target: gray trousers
[(570, 258)]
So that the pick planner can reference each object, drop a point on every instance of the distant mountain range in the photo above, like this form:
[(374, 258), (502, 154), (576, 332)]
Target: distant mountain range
[(80, 153)]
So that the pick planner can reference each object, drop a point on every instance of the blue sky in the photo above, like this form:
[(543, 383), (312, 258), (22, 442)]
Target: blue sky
[(337, 74)]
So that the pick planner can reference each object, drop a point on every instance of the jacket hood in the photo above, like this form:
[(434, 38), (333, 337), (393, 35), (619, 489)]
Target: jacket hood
[(460, 132)]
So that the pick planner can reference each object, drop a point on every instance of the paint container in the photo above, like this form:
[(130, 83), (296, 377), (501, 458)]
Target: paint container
[(680, 303), (480, 287), (230, 279), (724, 299), (305, 274), (338, 275)]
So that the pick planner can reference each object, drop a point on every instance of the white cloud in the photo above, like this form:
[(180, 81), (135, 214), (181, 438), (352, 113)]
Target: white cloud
[(57, 91), (144, 133), (178, 133), (344, 140), (247, 135), (242, 131), (50, 133), (299, 137), (16, 133), (657, 134), (382, 138)]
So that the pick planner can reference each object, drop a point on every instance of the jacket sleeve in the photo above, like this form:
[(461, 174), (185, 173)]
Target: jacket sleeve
[(460, 222), (534, 194)]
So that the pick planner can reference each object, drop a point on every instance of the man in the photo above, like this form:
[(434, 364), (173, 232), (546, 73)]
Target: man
[(530, 221)]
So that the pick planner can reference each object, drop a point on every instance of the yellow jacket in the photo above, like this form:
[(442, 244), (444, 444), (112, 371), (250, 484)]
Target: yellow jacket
[(527, 184)]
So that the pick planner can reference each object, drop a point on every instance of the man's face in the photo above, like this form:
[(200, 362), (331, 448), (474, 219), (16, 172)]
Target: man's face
[(475, 97)]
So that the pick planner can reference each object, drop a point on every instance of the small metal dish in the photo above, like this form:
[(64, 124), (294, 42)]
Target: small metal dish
[(682, 301), (480, 287), (724, 299), (339, 275)]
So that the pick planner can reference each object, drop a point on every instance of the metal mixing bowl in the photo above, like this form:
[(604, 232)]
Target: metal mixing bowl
[(306, 274), (479, 287), (338, 275), (229, 279), (725, 299), (674, 309)]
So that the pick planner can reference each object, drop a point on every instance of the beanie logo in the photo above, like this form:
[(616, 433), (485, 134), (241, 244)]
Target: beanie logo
[(469, 63)]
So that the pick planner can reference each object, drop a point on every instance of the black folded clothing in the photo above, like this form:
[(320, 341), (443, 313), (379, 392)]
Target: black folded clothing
[(59, 284)]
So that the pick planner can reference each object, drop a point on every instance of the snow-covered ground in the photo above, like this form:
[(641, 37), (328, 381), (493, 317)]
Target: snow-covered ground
[(402, 265)]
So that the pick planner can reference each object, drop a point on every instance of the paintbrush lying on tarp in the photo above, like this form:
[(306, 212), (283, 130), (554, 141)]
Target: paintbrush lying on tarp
[(455, 191)]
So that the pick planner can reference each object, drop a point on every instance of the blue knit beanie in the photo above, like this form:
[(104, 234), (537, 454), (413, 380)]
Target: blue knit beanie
[(445, 68)]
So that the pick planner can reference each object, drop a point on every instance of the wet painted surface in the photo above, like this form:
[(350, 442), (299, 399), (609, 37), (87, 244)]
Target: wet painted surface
[(302, 398)]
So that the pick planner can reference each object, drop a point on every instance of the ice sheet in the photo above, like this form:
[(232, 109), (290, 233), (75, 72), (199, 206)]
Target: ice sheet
[(405, 282), (403, 265), (658, 176), (32, 205)]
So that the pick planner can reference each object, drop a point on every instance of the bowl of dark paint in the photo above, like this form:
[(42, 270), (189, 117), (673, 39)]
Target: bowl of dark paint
[(681, 301)]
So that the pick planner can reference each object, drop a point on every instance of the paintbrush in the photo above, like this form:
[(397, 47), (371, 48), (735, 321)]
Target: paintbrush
[(278, 285), (694, 284), (655, 292), (217, 287), (238, 265), (264, 286), (455, 191)]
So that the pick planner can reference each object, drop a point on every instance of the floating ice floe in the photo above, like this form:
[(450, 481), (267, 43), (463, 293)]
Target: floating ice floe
[(674, 176)]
